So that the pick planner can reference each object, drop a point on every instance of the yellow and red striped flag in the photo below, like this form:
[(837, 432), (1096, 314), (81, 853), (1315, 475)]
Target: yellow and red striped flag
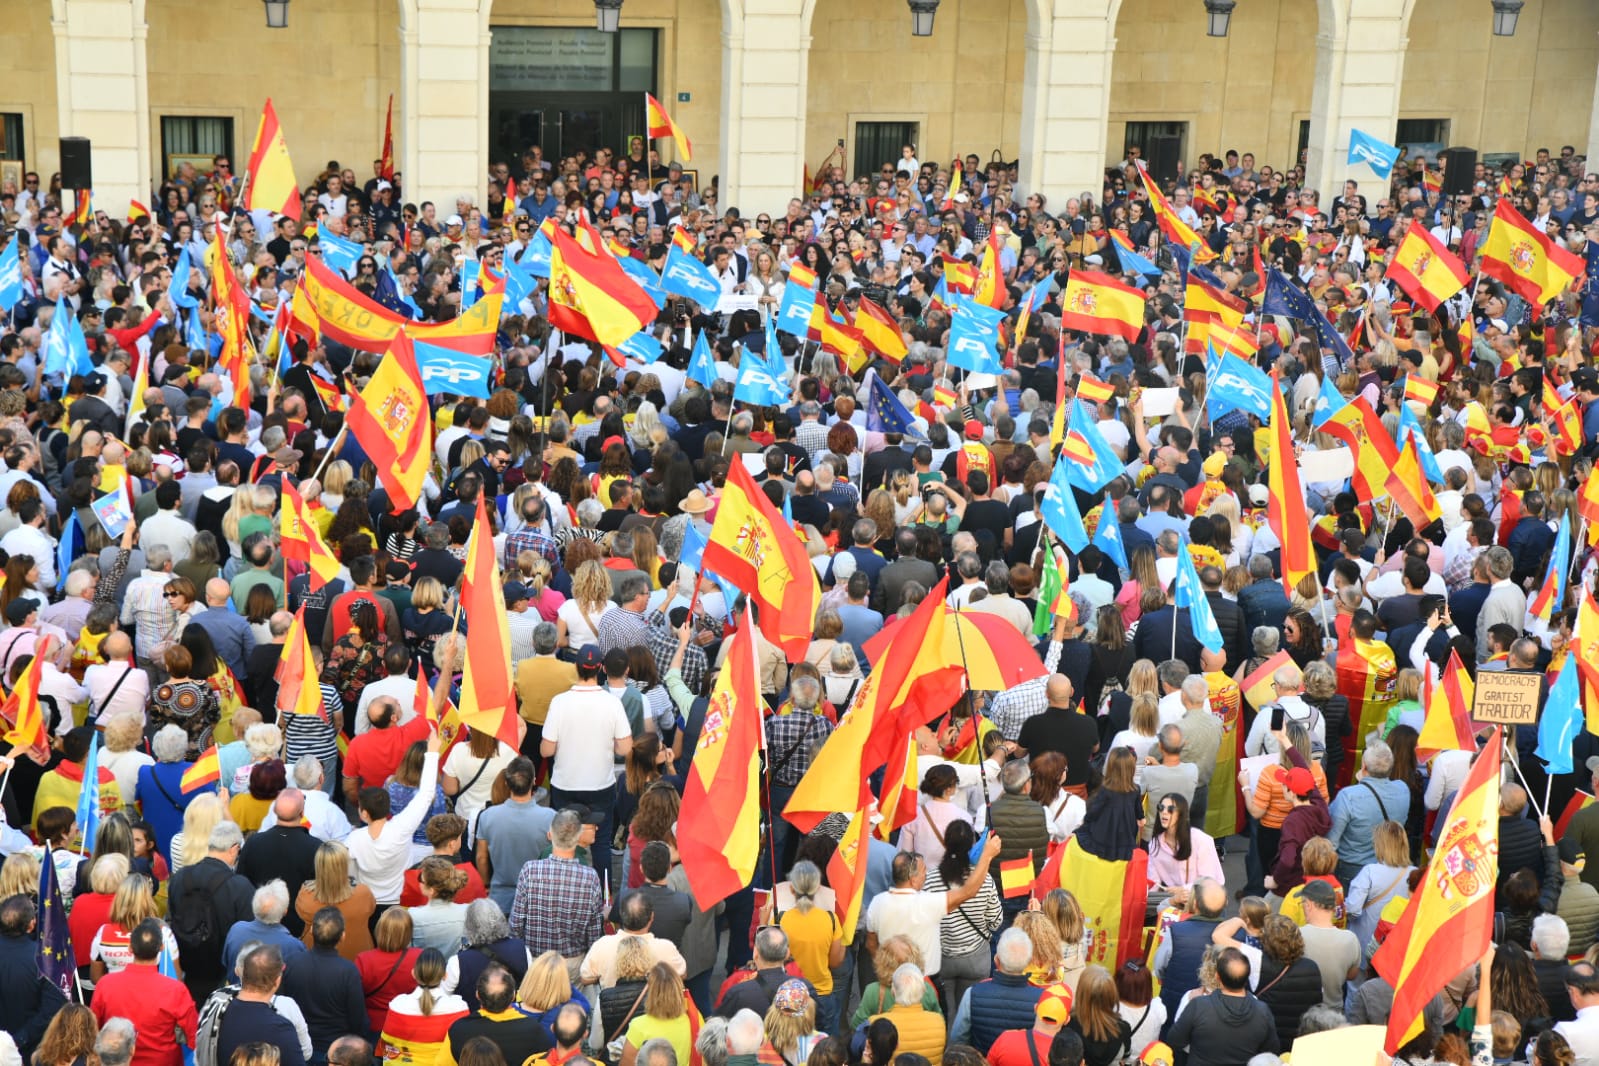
[(391, 421), (1016, 877), (846, 873), (1420, 390), (880, 331), (137, 212), (1579, 801), (1448, 923), (1566, 418), (1098, 303), (898, 804), (1429, 272), (719, 826), (989, 289), (207, 770), (1285, 507), (1447, 704), (1175, 229), (1092, 390), (1358, 426), (331, 395), (22, 710), (681, 238), (1526, 259), (508, 208), (1407, 485), (299, 688), (660, 124), (386, 157), (753, 549), (959, 276), (269, 179), (302, 542), (591, 296), (1432, 180), (488, 699)]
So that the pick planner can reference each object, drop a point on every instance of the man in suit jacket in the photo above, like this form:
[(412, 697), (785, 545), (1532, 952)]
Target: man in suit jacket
[(892, 579), (1229, 619), (1154, 638)]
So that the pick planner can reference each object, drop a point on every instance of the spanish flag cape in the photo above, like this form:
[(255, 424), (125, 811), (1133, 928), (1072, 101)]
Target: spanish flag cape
[(1224, 813), (1367, 673)]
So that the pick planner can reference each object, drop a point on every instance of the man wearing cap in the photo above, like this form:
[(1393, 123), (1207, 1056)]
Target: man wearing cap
[(1335, 951), (1054, 1010), (585, 730), (520, 622)]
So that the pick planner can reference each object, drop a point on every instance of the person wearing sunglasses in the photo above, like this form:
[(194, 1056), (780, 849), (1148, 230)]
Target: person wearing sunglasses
[(1179, 853)]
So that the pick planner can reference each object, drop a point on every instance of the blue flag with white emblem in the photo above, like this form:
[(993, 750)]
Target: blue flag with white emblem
[(89, 793), (1106, 465), (1191, 594), (685, 276), (647, 279), (642, 346), (1328, 403), (1378, 155), (178, 286), (692, 557), (755, 383), (794, 313), (10, 276), (701, 363), (973, 330), (1561, 720), (340, 254), (536, 257), (1108, 535), (1238, 386), (1060, 510)]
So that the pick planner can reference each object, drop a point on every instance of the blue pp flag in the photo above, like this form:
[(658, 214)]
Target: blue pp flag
[(1106, 465), (519, 285), (1590, 287), (1108, 535), (1133, 263), (794, 313), (469, 288), (641, 346), (56, 960), (1328, 403), (1409, 423), (1060, 509), (445, 370), (685, 276), (89, 793), (194, 334), (70, 547), (647, 279), (1379, 156), (340, 254), (1561, 721), (536, 256), (78, 347), (10, 276), (884, 412), (178, 286), (701, 364), (973, 330), (1239, 386), (755, 383), (58, 341), (1191, 594)]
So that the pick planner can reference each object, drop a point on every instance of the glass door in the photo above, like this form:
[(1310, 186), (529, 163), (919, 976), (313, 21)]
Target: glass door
[(519, 127)]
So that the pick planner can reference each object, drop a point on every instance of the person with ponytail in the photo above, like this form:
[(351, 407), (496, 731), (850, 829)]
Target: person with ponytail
[(417, 1028)]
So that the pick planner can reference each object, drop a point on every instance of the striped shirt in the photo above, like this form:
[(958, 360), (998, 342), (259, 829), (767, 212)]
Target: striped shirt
[(306, 734), (967, 927)]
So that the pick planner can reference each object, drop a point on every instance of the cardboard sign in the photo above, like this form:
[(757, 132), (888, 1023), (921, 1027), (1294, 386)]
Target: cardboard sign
[(1505, 698)]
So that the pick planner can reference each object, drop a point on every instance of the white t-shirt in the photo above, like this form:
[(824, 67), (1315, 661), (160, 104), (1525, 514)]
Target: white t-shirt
[(464, 766), (585, 722), (581, 631), (916, 915)]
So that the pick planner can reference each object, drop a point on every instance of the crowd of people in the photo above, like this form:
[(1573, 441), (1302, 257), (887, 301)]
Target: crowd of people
[(357, 886)]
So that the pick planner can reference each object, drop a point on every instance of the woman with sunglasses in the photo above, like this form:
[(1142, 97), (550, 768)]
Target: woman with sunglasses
[(366, 275), (1179, 854)]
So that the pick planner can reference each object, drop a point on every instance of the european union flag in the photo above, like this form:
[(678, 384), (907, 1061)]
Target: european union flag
[(701, 364), (386, 291), (57, 962), (10, 276), (1060, 510), (1283, 297), (1191, 594), (884, 412), (1108, 535)]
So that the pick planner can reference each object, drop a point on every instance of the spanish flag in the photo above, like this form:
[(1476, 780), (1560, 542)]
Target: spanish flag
[(1579, 801), (1565, 417), (1533, 266), (1407, 485), (660, 124), (957, 178), (879, 330), (1358, 426), (1448, 923), (591, 296), (386, 157), (83, 207), (508, 208), (846, 873), (1426, 270), (1259, 688), (302, 543), (802, 275), (392, 423), (1447, 703), (1420, 390), (1092, 390), (22, 710), (1175, 229), (1098, 303), (1235, 339), (331, 395), (897, 804), (334, 308), (719, 826), (834, 334), (231, 307), (488, 700), (681, 239), (1111, 895), (752, 548), (1016, 877), (137, 212), (959, 276), (1366, 673), (299, 691), (990, 286), (1285, 507), (207, 770), (1551, 594), (1432, 180), (269, 180), (1585, 645), (1205, 308)]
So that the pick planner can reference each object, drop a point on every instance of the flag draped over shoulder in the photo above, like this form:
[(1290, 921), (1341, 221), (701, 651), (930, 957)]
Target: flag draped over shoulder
[(270, 175), (751, 546), (391, 421), (719, 826), (1111, 895), (1448, 923)]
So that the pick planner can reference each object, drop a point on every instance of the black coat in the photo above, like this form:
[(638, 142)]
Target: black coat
[(1290, 995), (27, 1000), (1234, 634), (327, 987), (209, 883), (1154, 638), (284, 852)]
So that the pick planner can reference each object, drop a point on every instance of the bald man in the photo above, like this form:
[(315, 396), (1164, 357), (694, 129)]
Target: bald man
[(117, 684), (1063, 728), (375, 754), (286, 850), (232, 635)]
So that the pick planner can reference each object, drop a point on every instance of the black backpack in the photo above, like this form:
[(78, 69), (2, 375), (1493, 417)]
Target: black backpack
[(197, 927)]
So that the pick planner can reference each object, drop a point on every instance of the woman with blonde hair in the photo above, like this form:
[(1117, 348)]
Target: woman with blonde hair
[(537, 575), (428, 1015), (878, 997), (1062, 909), (19, 875), (647, 554), (124, 732), (791, 1028), (577, 622), (1380, 882), (1143, 730), (663, 1015), (111, 951), (200, 817), (546, 989), (426, 620), (335, 476), (335, 886), (1048, 963)]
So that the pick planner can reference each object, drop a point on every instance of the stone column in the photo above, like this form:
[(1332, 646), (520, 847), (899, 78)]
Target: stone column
[(1360, 60), (444, 86), (1066, 97), (765, 66), (102, 93)]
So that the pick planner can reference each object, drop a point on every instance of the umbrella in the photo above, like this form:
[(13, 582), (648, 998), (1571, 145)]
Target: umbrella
[(994, 654)]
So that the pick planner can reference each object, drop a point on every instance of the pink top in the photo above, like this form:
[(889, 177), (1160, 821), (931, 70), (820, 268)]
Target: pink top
[(1202, 861), (925, 833)]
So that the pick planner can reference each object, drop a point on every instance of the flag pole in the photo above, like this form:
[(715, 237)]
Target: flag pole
[(971, 709), (333, 446), (1516, 766)]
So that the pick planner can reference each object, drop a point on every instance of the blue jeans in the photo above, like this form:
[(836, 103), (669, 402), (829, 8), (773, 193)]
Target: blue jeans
[(830, 1008)]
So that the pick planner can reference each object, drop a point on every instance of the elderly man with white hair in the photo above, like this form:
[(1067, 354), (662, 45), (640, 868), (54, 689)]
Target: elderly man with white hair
[(269, 904), (116, 1042), (326, 821), (145, 606), (1288, 684), (72, 610), (1358, 810)]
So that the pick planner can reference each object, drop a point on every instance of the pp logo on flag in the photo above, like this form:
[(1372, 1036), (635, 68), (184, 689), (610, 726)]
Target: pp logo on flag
[(685, 276), (1246, 390)]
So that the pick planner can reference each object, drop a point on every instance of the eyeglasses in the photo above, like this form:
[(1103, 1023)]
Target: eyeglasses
[(1168, 808), (170, 595)]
